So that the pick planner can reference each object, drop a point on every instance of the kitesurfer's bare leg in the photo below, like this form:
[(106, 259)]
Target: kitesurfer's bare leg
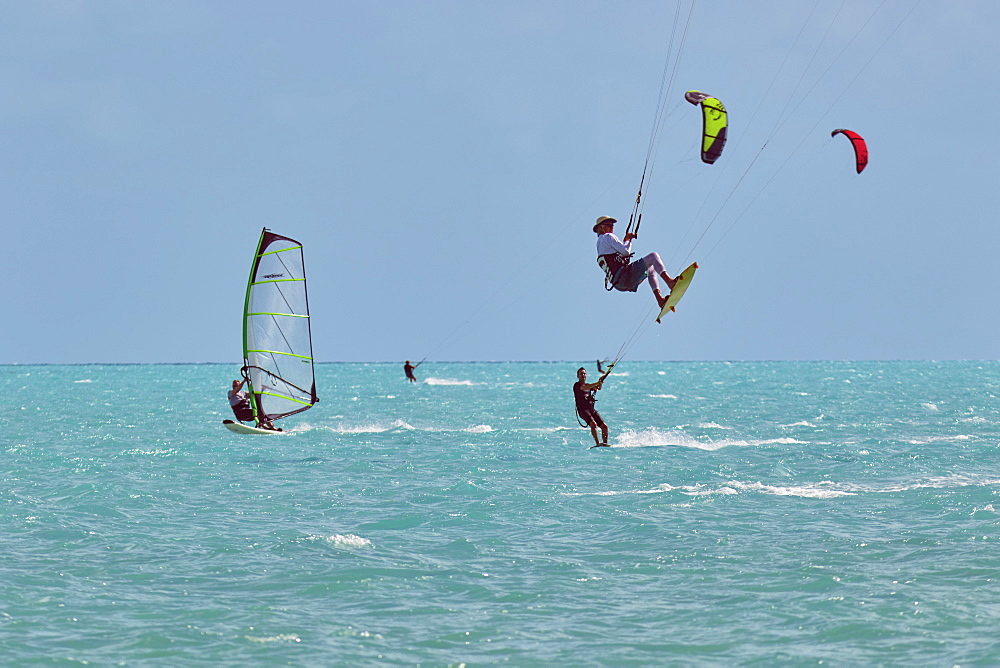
[(599, 422), (660, 299), (671, 282)]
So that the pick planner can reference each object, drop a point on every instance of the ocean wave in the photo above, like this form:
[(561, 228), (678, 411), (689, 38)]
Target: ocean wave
[(824, 489)]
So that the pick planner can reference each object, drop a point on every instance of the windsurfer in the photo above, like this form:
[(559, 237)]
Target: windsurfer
[(240, 402), (408, 369), (583, 392), (613, 255)]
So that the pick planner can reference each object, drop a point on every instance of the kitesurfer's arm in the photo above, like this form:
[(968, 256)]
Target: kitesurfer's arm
[(600, 381), (629, 236)]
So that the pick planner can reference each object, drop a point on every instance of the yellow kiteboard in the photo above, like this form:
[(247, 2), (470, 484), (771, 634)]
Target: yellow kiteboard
[(680, 287)]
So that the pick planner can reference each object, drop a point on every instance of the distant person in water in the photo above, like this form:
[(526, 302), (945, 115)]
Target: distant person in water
[(583, 393), (615, 257), (408, 368), (600, 369)]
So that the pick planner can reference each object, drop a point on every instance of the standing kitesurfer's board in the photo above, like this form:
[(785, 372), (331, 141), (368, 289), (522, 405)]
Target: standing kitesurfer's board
[(246, 429), (680, 287)]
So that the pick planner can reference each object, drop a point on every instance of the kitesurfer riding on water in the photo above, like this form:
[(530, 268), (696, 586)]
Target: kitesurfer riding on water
[(583, 393), (613, 255)]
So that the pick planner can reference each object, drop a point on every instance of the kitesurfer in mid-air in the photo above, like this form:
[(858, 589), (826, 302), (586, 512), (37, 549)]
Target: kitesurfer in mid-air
[(614, 256), (583, 392), (408, 369)]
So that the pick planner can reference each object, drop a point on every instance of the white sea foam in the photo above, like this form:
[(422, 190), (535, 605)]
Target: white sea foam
[(85, 380), (820, 490), (341, 540), (823, 489), (364, 428), (663, 396), (448, 381), (804, 423), (153, 451), (940, 439), (479, 429), (348, 540), (655, 437), (712, 425), (283, 637), (547, 430)]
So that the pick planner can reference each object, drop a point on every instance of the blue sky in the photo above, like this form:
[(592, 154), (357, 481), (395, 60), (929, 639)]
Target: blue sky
[(443, 163)]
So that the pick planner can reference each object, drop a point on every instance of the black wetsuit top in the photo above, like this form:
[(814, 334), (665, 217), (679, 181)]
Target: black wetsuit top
[(585, 399)]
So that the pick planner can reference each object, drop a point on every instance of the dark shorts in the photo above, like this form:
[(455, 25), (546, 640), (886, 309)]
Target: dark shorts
[(590, 416), (630, 276), (243, 412)]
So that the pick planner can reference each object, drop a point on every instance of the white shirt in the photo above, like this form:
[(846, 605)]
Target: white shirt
[(236, 398), (608, 243)]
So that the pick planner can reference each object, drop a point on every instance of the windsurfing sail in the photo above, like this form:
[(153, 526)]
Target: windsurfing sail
[(715, 123), (860, 147), (277, 337)]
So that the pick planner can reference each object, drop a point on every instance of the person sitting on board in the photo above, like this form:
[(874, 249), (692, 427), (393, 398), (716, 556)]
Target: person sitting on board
[(240, 402), (583, 393), (613, 255), (408, 368)]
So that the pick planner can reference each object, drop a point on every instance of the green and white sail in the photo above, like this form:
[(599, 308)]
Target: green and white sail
[(277, 338)]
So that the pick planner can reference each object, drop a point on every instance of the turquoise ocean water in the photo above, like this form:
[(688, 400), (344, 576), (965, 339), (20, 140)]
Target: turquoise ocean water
[(749, 513)]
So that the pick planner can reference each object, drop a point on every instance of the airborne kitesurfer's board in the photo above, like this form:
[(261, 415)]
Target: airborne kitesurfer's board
[(246, 429), (680, 287)]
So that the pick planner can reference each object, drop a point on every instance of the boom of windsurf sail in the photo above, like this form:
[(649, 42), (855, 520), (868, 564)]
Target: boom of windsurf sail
[(277, 338)]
